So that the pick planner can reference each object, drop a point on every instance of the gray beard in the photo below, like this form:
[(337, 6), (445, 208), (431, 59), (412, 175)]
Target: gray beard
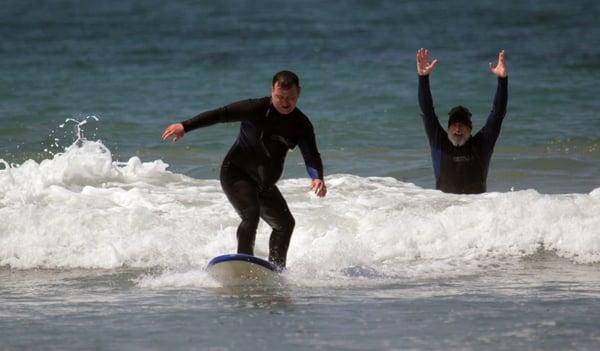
[(458, 141)]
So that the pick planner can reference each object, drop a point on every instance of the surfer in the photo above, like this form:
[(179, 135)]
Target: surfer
[(270, 126), (460, 160)]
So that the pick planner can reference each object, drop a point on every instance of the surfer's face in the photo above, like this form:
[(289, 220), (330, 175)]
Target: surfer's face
[(284, 100), (458, 134)]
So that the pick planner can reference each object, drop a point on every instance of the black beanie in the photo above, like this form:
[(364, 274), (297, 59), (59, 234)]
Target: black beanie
[(460, 114)]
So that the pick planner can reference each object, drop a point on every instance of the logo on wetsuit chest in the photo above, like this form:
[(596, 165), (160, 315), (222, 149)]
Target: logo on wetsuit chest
[(462, 158)]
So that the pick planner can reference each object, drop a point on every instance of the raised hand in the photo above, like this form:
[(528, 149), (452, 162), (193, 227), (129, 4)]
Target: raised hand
[(500, 68), (424, 67), (174, 130)]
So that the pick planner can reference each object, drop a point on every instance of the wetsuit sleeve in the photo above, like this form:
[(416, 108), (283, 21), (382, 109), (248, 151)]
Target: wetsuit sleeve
[(234, 112), (433, 128), (491, 130), (308, 146), (430, 119)]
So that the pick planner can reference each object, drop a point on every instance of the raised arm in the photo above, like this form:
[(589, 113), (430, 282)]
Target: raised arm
[(430, 119), (493, 124)]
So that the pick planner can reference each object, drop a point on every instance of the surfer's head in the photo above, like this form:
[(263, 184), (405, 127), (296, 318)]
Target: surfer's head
[(459, 125), (285, 91)]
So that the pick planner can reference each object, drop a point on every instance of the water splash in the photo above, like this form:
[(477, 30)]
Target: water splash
[(77, 128)]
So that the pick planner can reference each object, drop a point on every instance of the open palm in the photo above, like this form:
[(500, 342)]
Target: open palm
[(424, 67), (500, 68)]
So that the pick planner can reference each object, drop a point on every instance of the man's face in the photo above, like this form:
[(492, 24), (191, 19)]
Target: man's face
[(458, 134), (284, 100)]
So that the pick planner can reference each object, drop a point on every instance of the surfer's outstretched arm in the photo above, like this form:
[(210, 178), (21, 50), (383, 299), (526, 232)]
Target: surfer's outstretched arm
[(234, 112)]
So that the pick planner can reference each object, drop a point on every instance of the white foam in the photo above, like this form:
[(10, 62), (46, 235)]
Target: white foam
[(81, 209), (195, 278)]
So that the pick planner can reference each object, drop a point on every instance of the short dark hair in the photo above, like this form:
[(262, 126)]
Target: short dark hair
[(286, 79)]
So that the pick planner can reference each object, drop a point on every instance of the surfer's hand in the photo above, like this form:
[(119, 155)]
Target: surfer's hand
[(174, 130), (500, 68), (318, 186), (424, 67)]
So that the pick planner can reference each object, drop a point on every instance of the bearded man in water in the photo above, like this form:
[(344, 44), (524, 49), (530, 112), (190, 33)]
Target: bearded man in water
[(461, 160)]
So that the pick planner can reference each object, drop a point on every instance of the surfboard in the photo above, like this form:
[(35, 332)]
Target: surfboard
[(243, 270)]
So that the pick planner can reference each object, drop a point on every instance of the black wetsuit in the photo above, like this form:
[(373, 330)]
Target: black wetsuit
[(255, 163), (463, 169)]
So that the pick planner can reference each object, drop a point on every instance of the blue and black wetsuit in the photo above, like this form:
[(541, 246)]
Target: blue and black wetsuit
[(462, 169), (255, 163)]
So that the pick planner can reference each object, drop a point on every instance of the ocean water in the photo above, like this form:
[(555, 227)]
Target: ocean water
[(105, 230)]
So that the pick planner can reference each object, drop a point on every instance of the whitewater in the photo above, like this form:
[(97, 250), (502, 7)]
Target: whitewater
[(81, 209)]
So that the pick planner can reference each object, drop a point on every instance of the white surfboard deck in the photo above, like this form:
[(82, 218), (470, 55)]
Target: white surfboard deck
[(243, 270)]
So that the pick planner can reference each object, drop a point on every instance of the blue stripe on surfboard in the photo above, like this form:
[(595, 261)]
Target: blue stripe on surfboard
[(243, 257)]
